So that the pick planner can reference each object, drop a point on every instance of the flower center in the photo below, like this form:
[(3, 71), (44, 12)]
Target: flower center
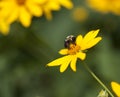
[(21, 2), (73, 49)]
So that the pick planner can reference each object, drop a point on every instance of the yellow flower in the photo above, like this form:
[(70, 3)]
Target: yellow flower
[(55, 5), (116, 88), (21, 10), (105, 6), (75, 47), (24, 10)]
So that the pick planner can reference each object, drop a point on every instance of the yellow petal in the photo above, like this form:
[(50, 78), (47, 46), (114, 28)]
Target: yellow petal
[(90, 39), (79, 40), (65, 64), (34, 9), (39, 1), (14, 16), (48, 14), (25, 17), (81, 55), (53, 5), (63, 51), (58, 61), (4, 27), (73, 62), (66, 3), (7, 7), (90, 35), (93, 42), (116, 88)]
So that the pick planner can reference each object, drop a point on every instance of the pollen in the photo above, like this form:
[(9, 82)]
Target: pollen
[(21, 2), (73, 49)]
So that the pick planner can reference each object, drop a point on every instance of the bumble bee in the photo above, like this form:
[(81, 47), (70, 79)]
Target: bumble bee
[(69, 40)]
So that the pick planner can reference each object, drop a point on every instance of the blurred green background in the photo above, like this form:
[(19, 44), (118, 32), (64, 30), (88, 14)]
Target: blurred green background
[(25, 52)]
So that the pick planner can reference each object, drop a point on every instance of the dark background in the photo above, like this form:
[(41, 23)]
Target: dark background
[(25, 52)]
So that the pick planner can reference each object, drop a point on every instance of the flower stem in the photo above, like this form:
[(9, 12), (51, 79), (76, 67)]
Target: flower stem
[(99, 81)]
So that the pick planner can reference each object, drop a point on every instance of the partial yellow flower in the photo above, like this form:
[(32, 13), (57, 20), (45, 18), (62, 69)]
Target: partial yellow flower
[(105, 6), (80, 14), (21, 10), (116, 88), (74, 48), (55, 5), (99, 5)]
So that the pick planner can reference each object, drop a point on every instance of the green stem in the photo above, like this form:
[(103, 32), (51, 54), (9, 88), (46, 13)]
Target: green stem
[(99, 81)]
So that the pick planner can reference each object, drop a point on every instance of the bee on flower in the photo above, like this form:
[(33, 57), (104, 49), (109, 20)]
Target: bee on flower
[(74, 49)]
